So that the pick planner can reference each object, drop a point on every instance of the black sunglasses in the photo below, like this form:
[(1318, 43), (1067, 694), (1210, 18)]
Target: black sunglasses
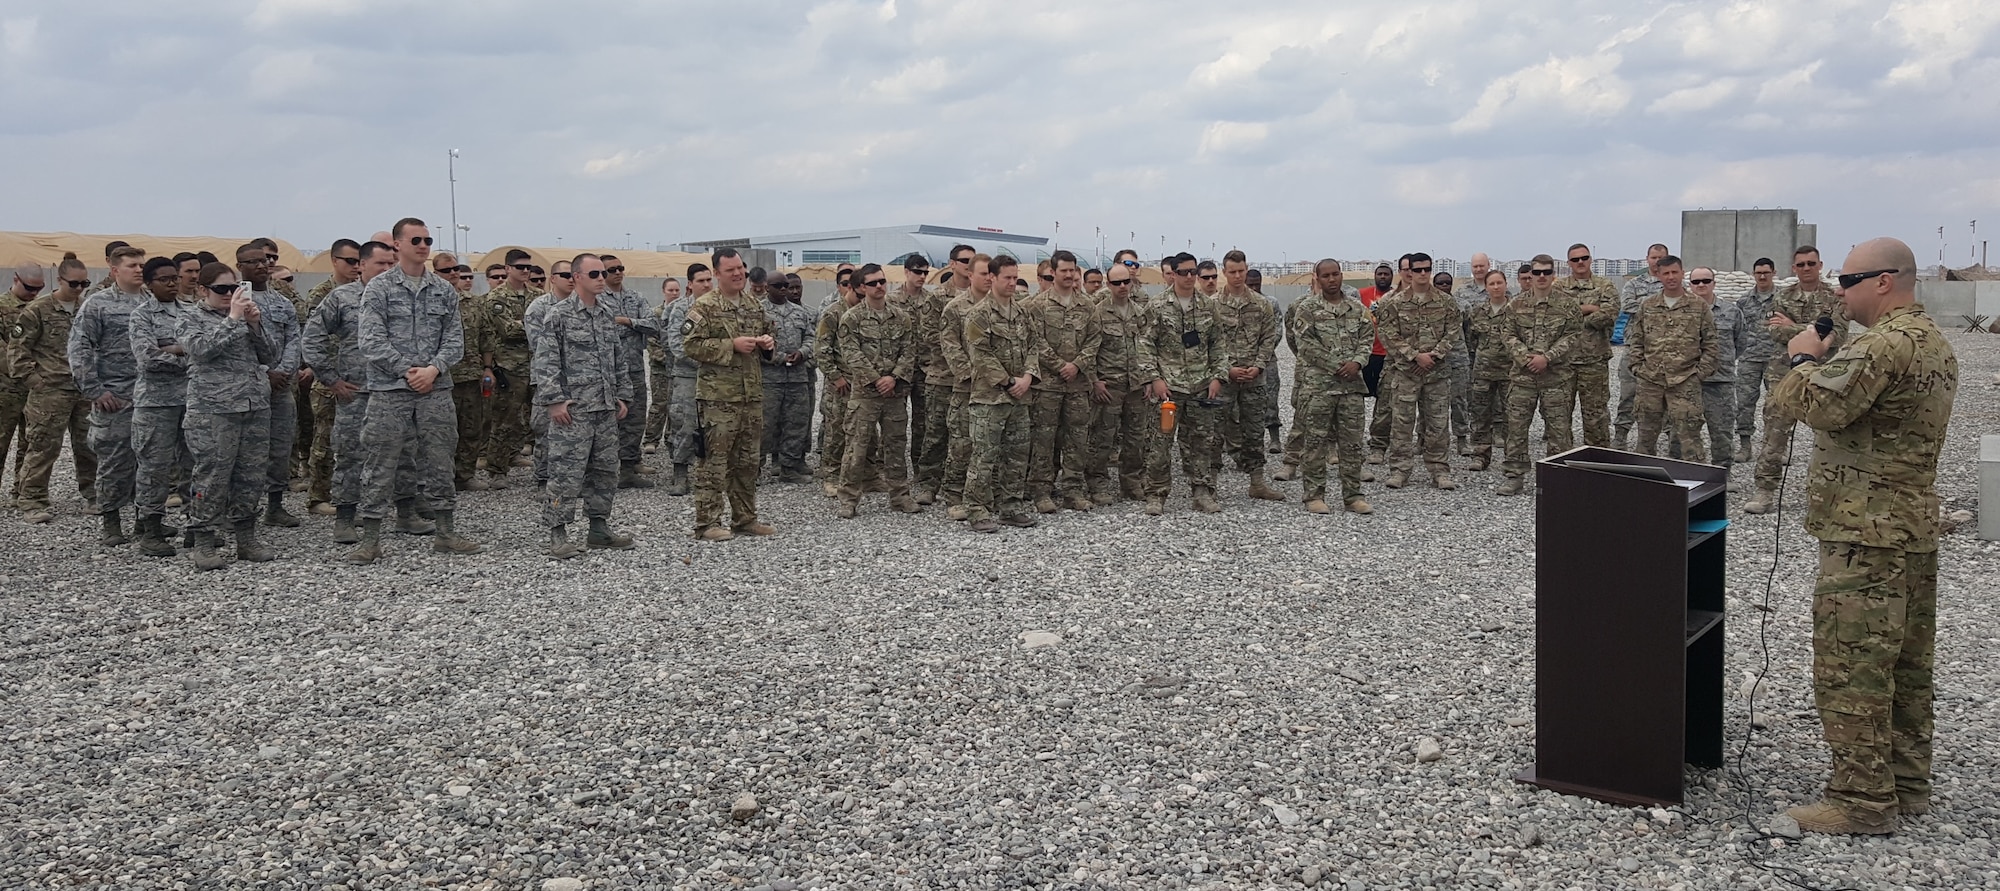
[(1541, 272), (224, 290), (1131, 264), (1854, 279), (613, 270), (356, 261), (594, 274), (1701, 281), (875, 282), (561, 275), (965, 259), (1583, 259), (1046, 278), (543, 279), (77, 285), (422, 240), (1805, 264), (496, 276), (1183, 272), (1119, 281), (1421, 269), (916, 270), (524, 267), (1209, 277)]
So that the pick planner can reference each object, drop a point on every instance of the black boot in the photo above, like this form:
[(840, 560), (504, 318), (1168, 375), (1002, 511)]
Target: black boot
[(276, 515), (152, 538), (370, 548), (114, 530), (679, 485), (629, 477), (248, 548), (409, 521), (448, 541), (202, 553), (560, 547), (602, 536), (344, 530)]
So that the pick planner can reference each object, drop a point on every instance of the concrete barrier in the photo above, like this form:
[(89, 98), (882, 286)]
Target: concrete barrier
[(1989, 488)]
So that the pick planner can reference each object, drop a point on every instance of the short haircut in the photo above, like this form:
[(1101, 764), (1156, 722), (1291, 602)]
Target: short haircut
[(577, 260), (1579, 246), (1002, 262), (518, 256), (344, 243), (185, 256), (127, 252), (396, 231), (607, 258), (1805, 249), (868, 269), (1325, 263), (206, 257), (1122, 254), (1420, 256), (1669, 260), (843, 276), (1764, 261), (758, 274), (1167, 262), (1711, 272), (265, 242), (979, 261), (110, 246), (156, 264), (961, 247), (1183, 257), (1658, 247), (1541, 259), (248, 247), (491, 267), (1203, 266), (1235, 256), (372, 248), (1382, 266), (916, 261), (721, 254), (695, 269), (1092, 271), (1062, 256), (1528, 267)]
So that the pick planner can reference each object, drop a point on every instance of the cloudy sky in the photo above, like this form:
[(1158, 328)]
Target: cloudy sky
[(1301, 128)]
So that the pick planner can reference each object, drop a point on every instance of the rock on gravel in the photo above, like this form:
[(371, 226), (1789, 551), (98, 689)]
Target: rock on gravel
[(743, 808)]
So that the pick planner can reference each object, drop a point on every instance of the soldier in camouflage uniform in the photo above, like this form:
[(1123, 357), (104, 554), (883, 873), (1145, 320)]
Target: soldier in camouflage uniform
[(1601, 305), (837, 388), (635, 327), (1001, 349), (1487, 327), (1184, 354), (659, 369), (932, 430), (788, 380), (54, 407), (410, 335), (681, 403), (1469, 296), (582, 383), (878, 352), (1121, 431), (327, 345), (101, 360), (28, 283), (321, 406), (1880, 408), (1273, 391), (1636, 289), (560, 290), (507, 412), (1753, 308), (723, 332), (471, 382), (1249, 345), (1332, 336), (1718, 389), (1419, 326), (1794, 310), (1325, 276), (1060, 422), (1543, 330), (228, 422), (281, 326), (1670, 344), (159, 403), (958, 366)]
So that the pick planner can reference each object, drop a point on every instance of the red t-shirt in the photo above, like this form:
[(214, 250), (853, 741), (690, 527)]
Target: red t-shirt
[(1368, 297)]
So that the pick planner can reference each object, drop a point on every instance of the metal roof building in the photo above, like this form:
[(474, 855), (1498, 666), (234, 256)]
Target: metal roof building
[(884, 244)]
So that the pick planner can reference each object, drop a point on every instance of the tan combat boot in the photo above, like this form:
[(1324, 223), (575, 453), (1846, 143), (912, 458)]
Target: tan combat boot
[(1262, 491), (1360, 506), (1317, 506), (1832, 819), (1204, 500), (1761, 502)]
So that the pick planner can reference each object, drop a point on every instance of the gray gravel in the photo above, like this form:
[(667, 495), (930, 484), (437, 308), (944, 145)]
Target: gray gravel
[(1256, 699)]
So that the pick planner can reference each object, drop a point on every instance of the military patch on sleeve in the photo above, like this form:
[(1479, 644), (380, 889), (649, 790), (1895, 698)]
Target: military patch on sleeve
[(1834, 377)]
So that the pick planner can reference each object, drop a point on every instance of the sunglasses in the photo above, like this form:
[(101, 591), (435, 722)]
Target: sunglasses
[(1421, 270), (285, 278), (422, 240), (1183, 272), (1805, 264), (1046, 278), (1701, 281), (561, 275), (876, 283), (496, 276), (614, 270), (917, 271), (252, 261), (543, 279), (1541, 272), (1120, 281), (1210, 277), (1583, 259), (1131, 264), (352, 261), (77, 285), (524, 267), (224, 290), (962, 260), (1854, 279)]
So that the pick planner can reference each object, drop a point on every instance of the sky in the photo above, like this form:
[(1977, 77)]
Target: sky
[(1291, 128)]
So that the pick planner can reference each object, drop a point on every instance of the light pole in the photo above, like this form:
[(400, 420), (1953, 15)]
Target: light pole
[(451, 173)]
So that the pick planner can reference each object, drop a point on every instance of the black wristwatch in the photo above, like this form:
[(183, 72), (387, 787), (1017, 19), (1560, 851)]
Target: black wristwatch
[(1799, 359)]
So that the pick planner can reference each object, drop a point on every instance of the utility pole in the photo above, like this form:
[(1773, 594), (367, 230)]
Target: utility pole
[(451, 173)]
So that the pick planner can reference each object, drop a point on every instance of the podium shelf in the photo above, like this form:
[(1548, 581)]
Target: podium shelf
[(1696, 538), (1700, 622)]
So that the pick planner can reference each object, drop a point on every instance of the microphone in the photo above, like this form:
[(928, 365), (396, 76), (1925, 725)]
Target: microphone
[(1823, 326)]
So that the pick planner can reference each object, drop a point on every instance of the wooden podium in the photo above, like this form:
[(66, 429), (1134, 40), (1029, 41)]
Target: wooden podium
[(1628, 624)]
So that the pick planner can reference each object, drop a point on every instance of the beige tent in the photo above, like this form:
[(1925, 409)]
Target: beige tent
[(47, 248)]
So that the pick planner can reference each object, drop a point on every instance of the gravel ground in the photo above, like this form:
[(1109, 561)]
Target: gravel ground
[(1229, 701)]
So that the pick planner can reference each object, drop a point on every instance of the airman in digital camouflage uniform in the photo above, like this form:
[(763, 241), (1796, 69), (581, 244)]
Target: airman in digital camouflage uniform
[(1543, 330), (1718, 389), (681, 404), (878, 353), (228, 423), (1601, 305), (788, 380), (101, 360), (1186, 359), (636, 326), (1880, 407), (1671, 346), (159, 403), (320, 404), (1001, 350), (1332, 335), (582, 383), (724, 332), (328, 345), (1794, 310), (660, 369), (1754, 307)]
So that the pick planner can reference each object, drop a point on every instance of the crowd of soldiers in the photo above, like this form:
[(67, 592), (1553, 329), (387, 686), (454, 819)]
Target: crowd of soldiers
[(184, 381)]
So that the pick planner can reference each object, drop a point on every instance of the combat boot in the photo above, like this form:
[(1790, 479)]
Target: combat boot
[(1481, 461), (603, 536), (1260, 490), (1830, 818), (370, 548), (1132, 488), (1078, 502), (927, 496), (152, 541), (1156, 506), (248, 548), (754, 527), (1360, 506), (448, 541), (1286, 473), (344, 531), (678, 486), (955, 512), (114, 530), (1377, 456), (409, 522), (276, 515), (1742, 455), (1464, 450), (985, 524), (1317, 506), (1021, 521), (1367, 473), (560, 547), (1204, 500), (1045, 505), (629, 477), (1277, 437), (846, 509), (829, 488), (1104, 497), (715, 533), (203, 554), (496, 481), (906, 505), (1511, 487), (1397, 479), (1444, 481), (1760, 503)]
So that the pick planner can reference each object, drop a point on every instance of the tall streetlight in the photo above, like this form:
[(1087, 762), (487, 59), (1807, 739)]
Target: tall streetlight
[(451, 171)]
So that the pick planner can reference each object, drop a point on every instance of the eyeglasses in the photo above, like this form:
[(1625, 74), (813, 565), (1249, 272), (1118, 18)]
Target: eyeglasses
[(1583, 259), (1421, 270), (1854, 279), (351, 261), (1046, 278), (1210, 277), (77, 285), (1540, 272), (1131, 264), (614, 270), (496, 276), (1184, 272), (252, 261), (1701, 281), (876, 283), (524, 267), (224, 290), (1806, 264), (1117, 282), (422, 240)]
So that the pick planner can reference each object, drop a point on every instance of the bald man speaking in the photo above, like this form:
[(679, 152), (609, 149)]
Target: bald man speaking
[(1879, 408)]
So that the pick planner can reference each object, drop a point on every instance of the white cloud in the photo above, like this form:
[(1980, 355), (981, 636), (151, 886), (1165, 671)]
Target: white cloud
[(1696, 98), (1231, 137), (919, 78), (1576, 85)]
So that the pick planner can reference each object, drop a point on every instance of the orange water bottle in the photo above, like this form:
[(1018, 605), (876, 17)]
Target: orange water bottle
[(1167, 416)]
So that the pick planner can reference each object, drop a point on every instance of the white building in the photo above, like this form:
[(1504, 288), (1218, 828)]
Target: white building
[(886, 245)]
